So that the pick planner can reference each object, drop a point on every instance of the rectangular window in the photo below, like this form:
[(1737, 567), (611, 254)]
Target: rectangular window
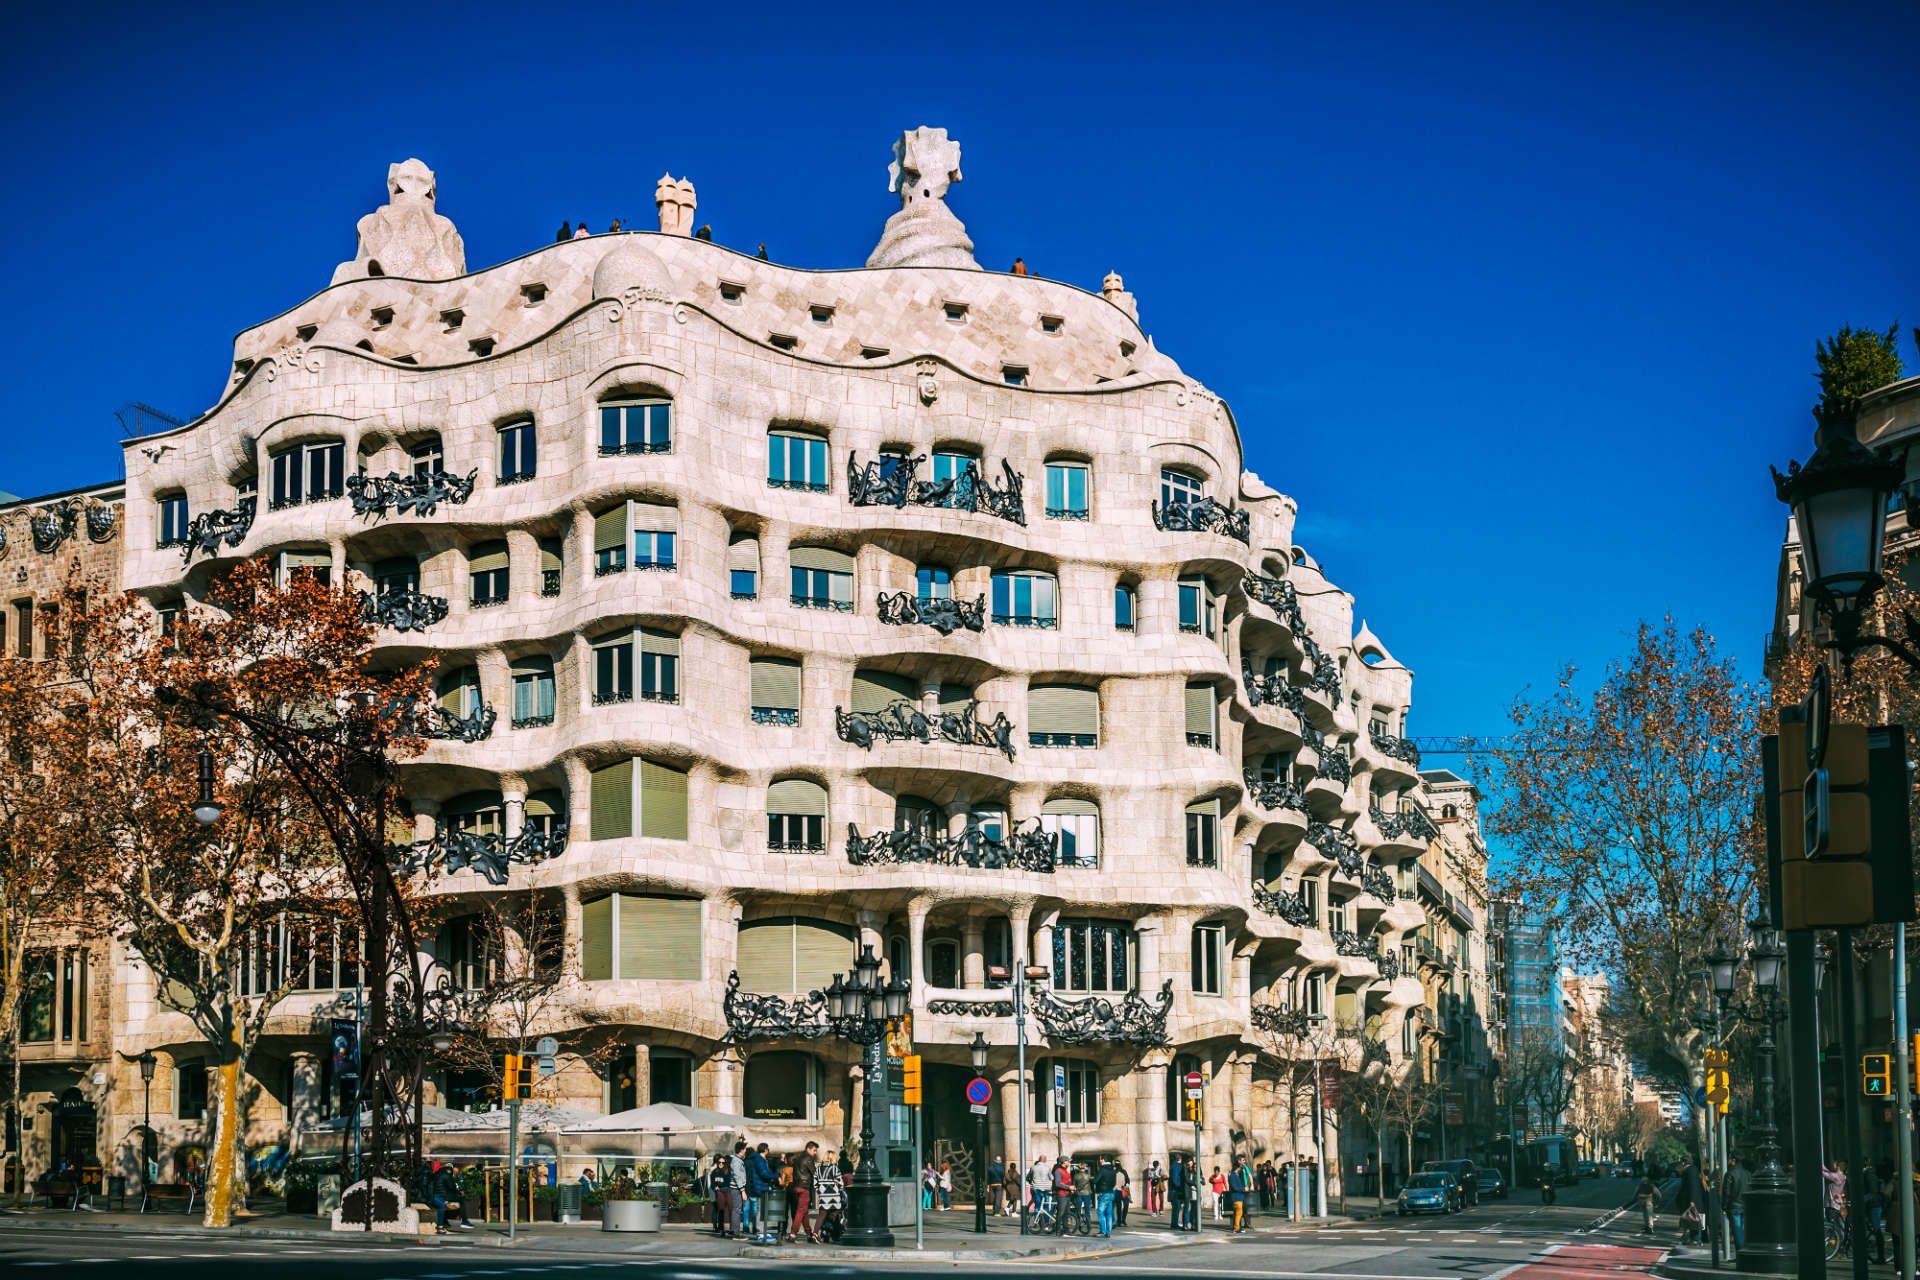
[(796, 461), (1123, 611), (1203, 834), (428, 459), (743, 566), (1197, 608), (1178, 489), (1067, 491), (173, 520), (1201, 714), (822, 579), (23, 628), (641, 427), (1209, 945), (933, 582), (1024, 600), (311, 472), (796, 832), (1066, 1092), (951, 466), (519, 453), (1315, 1001), (1077, 827), (652, 549), (532, 696), (613, 671), (774, 690), (659, 666), (610, 541), (552, 562), (1092, 956), (37, 999), (1310, 897), (488, 571)]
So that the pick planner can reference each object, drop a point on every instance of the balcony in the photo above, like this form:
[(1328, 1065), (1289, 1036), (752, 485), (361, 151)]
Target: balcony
[(943, 613), (209, 530), (1376, 882), (1335, 764), (974, 1006), (416, 495), (786, 717), (752, 1016), (490, 853), (1338, 846), (1273, 690), (1396, 748), (475, 726), (903, 721), (403, 610), (1027, 847), (1410, 820), (1101, 1020), (1280, 1020), (1284, 903), (1348, 943), (1204, 515), (892, 482), (1275, 793)]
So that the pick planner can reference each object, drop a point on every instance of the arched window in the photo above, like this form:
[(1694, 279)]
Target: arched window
[(1178, 487), (395, 575), (626, 935), (1125, 607), (782, 1084), (545, 811), (1081, 1082), (1077, 825), (1068, 490), (1449, 811), (796, 816), (638, 425), (792, 955), (1177, 1084)]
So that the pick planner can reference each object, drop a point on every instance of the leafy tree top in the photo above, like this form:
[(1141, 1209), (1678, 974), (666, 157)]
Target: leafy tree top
[(1850, 364)]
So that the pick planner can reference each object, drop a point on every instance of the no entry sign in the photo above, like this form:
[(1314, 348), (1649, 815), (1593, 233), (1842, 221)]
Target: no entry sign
[(979, 1091), (1195, 1085)]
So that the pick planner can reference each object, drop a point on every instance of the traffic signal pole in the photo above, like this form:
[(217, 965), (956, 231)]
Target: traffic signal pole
[(1903, 1102), (1850, 1104), (513, 1168)]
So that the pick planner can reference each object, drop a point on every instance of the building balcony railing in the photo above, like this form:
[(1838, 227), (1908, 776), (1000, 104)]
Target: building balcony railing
[(1409, 820), (532, 722), (445, 725), (902, 721), (971, 1007), (403, 610), (549, 582), (1336, 845), (943, 613), (1271, 690), (1131, 1019), (1389, 965), (1348, 943), (1280, 1020), (1395, 747), (1335, 764), (795, 846), (416, 495), (209, 530), (1026, 847), (1275, 793), (1284, 903), (1377, 882), (753, 1016), (1204, 515), (490, 853), (784, 716), (891, 482)]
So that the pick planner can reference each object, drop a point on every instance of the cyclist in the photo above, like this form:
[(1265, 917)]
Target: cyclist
[(1062, 1194)]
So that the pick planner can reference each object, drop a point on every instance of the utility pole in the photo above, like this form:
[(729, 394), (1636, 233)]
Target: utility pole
[(1319, 1146), (1903, 1102)]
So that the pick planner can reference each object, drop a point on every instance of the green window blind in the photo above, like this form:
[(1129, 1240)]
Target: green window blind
[(306, 559), (655, 517), (1063, 708), (485, 557), (820, 950), (801, 796), (660, 938), (743, 553), (612, 803), (654, 641), (955, 697), (596, 939), (454, 688), (663, 801), (1200, 708), (775, 683), (820, 558), (546, 804), (610, 529), (764, 956), (1068, 805), (550, 556), (1208, 807), (878, 690)]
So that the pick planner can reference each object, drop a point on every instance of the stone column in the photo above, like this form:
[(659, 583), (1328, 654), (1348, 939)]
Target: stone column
[(583, 539), (303, 1101), (1147, 934), (523, 565), (642, 1081), (916, 950), (1008, 1084), (513, 795), (725, 1072), (426, 814), (973, 953), (1241, 1115), (1153, 1111)]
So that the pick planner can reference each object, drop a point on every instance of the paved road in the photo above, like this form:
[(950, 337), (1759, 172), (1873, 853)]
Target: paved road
[(1514, 1240)]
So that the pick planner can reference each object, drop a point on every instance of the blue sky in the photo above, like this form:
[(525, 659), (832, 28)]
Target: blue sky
[(1517, 301)]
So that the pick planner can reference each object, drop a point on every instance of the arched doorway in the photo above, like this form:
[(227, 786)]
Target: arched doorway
[(76, 1132)]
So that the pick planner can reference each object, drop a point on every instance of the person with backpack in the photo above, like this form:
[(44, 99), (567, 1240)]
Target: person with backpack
[(1648, 1197), (1177, 1184)]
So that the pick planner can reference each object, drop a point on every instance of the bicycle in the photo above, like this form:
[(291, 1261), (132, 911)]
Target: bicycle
[(1839, 1238), (1076, 1220)]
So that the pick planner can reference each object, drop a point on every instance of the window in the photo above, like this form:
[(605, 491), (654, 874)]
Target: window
[(169, 615), (1178, 488), (743, 566), (943, 963), (396, 575), (774, 690), (532, 692), (552, 564), (822, 579), (1310, 898), (543, 811), (820, 313), (920, 816), (1377, 723), (659, 665), (956, 312), (1014, 375), (1203, 833), (782, 1084), (639, 426), (796, 816), (459, 693), (173, 519), (658, 791), (1092, 956), (989, 822), (951, 466), (1063, 715), (878, 690), (635, 936), (1052, 324), (1314, 995), (190, 1089), (1197, 607), (1409, 1035), (1066, 1091), (23, 629), (933, 582), (1076, 825), (670, 1077), (317, 565), (428, 458), (796, 461), (1337, 917), (1209, 955), (1201, 714), (613, 668), (519, 452), (784, 341), (37, 998), (487, 574), (1177, 1084), (731, 292), (1067, 491), (1123, 608), (623, 1081), (653, 536), (791, 955), (310, 472), (1024, 599)]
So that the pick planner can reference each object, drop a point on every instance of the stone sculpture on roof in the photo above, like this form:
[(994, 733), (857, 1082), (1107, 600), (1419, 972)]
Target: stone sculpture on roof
[(925, 233), (406, 237)]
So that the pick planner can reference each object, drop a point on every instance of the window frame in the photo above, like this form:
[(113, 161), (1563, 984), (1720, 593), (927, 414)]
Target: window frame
[(1207, 958), (654, 433), (1101, 942), (1083, 1089), (1006, 590), (175, 516), (816, 463), (1066, 469), (1180, 487), (517, 455)]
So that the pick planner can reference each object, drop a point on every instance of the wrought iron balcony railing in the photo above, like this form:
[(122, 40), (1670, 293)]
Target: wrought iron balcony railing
[(491, 854), (1273, 690), (1284, 903), (1389, 965), (753, 1016), (1276, 793), (1103, 1020), (1337, 845), (1325, 677), (787, 716), (1395, 747), (795, 846), (943, 613), (419, 495), (549, 582), (902, 721), (1376, 882), (1348, 943), (404, 610), (989, 1008), (892, 482), (475, 726), (1280, 1020), (1026, 847), (1335, 764), (532, 722), (1372, 1050), (1410, 820), (1278, 595), (208, 530), (1204, 515)]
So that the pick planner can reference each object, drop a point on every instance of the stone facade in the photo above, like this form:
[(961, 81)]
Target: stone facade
[(1159, 759)]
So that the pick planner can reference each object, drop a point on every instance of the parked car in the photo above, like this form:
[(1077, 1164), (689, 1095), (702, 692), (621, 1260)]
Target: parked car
[(1430, 1193), (1466, 1176), (1583, 1169), (1492, 1182)]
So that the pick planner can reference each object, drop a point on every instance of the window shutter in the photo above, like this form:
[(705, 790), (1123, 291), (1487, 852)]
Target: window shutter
[(820, 558), (955, 697), (654, 517), (820, 950), (775, 683), (550, 556), (453, 690), (1063, 708), (619, 635), (596, 939), (653, 641), (1200, 708), (533, 664), (307, 559), (660, 938), (663, 801), (764, 956), (1068, 805), (743, 552), (611, 816), (610, 529), (485, 557), (878, 690), (546, 804), (801, 796)]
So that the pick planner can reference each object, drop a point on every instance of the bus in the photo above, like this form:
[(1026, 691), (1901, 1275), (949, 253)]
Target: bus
[(1553, 1154)]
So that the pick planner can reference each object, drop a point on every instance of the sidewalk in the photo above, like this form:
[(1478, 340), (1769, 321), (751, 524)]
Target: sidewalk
[(1694, 1262)]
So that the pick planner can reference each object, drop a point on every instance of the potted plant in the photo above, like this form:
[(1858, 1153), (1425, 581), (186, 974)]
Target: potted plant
[(632, 1202), (302, 1189)]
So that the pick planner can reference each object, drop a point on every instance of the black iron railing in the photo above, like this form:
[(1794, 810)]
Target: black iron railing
[(491, 854), (1281, 1020), (1284, 903), (1026, 847), (892, 482), (943, 613), (903, 721), (1104, 1020), (1204, 515), (403, 610), (1395, 747), (776, 715), (207, 531), (474, 726), (419, 495), (1275, 793)]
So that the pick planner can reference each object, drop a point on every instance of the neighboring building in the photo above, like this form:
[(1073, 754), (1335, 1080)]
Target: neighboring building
[(915, 607), (1602, 1082)]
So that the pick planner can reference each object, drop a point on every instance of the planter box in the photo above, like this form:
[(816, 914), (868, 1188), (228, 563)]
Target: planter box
[(304, 1200), (630, 1215), (700, 1212)]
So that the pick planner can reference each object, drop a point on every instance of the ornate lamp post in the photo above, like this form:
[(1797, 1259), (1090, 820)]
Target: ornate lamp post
[(146, 1061), (1769, 1247), (979, 1051), (860, 1007), (1839, 502)]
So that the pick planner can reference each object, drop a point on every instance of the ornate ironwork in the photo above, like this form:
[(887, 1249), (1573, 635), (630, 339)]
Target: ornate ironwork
[(100, 522), (943, 613), (1348, 943), (1389, 965), (1376, 882), (1285, 903), (902, 721), (1099, 1020), (971, 1008), (893, 482), (208, 530), (1335, 764), (1276, 793), (1372, 1050), (1337, 845), (1326, 672), (492, 854), (475, 726), (752, 1016), (418, 495), (776, 715), (53, 525), (1204, 515), (1396, 748), (1409, 821), (1281, 1020), (407, 610), (1027, 847), (1277, 594)]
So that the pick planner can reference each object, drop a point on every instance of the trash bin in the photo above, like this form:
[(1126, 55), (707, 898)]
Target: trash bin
[(567, 1207)]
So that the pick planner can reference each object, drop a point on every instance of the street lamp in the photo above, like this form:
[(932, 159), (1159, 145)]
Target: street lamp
[(1770, 1244), (979, 1051), (1839, 501), (146, 1061), (860, 1007), (206, 811)]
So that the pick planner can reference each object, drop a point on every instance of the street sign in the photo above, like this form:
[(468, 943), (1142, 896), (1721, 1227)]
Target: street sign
[(1196, 1094), (546, 1046), (1700, 1096), (979, 1092), (1714, 1058), (1194, 1081)]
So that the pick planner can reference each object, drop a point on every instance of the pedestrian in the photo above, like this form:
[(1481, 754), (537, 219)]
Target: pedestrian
[(443, 1193), (1062, 1193), (1239, 1185), (996, 1174), (845, 1165), (1150, 1178), (762, 254), (586, 1179), (1835, 1177), (760, 1180), (1691, 1203), (945, 1185), (739, 1201), (580, 232), (1103, 1189), (566, 233), (1648, 1197), (800, 1219), (1177, 1185), (1083, 1190), (1218, 1185), (1039, 1181), (928, 1180), (1122, 1194), (1019, 267), (705, 232)]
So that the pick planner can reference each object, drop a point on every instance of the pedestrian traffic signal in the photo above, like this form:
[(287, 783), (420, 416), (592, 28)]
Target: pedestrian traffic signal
[(516, 1080), (910, 1080), (1193, 1110), (1876, 1075)]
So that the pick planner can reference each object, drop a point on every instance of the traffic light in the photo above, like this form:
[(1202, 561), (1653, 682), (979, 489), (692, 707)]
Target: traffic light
[(1839, 843), (1876, 1075), (1193, 1110), (516, 1080), (910, 1079)]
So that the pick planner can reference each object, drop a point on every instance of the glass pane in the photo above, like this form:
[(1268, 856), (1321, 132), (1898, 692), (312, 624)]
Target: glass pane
[(610, 427)]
